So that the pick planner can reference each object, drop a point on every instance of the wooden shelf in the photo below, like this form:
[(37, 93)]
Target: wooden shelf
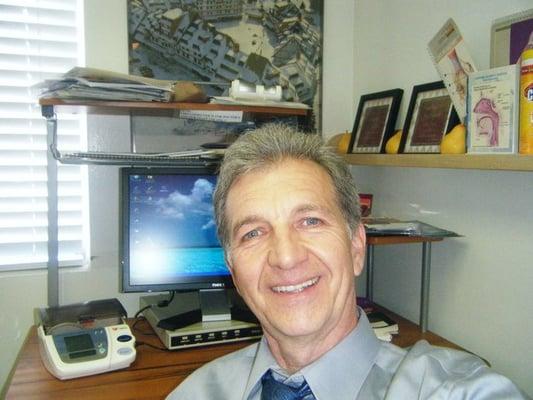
[(502, 162), (175, 106)]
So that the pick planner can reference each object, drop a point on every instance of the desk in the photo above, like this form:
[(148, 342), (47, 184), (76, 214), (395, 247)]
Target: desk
[(153, 374), (373, 241)]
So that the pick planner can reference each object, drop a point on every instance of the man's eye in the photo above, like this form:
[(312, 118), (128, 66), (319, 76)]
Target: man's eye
[(311, 221), (251, 235)]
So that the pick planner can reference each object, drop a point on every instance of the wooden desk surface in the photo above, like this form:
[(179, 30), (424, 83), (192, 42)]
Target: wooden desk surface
[(152, 375)]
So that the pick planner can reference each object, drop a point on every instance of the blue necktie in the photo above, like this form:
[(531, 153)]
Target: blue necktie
[(274, 390)]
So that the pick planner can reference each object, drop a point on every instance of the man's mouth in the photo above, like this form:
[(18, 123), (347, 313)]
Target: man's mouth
[(296, 288)]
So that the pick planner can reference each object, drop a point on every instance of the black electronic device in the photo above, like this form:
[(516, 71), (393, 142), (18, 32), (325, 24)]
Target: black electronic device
[(168, 242)]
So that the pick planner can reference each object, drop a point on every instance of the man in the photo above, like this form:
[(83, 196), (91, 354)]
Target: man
[(288, 218)]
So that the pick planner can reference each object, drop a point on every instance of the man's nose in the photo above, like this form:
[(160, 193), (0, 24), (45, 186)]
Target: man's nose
[(287, 249)]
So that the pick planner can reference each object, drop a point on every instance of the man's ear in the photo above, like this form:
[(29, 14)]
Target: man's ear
[(358, 247), (227, 258)]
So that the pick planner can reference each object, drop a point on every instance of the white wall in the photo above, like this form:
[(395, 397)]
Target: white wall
[(481, 295), (482, 277)]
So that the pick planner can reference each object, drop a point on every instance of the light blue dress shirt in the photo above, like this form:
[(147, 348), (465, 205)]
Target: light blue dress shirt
[(359, 367)]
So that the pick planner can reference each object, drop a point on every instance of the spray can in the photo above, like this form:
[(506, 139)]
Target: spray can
[(526, 99)]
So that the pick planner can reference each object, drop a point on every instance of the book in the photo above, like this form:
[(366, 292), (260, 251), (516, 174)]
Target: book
[(492, 119)]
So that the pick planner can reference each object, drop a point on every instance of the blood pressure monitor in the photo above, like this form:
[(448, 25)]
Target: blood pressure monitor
[(87, 352), (87, 339)]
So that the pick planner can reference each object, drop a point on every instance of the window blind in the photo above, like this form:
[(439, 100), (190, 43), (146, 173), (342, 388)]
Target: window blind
[(39, 39)]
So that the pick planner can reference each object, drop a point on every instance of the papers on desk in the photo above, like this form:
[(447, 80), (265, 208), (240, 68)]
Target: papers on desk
[(406, 228), (383, 326)]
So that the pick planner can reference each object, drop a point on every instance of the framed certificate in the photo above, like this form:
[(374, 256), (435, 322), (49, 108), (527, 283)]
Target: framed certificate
[(430, 116), (375, 121)]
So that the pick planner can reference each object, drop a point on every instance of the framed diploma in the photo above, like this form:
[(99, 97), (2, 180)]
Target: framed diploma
[(430, 116), (375, 121)]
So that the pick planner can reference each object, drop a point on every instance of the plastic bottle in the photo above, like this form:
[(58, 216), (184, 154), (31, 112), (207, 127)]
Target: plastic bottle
[(526, 99)]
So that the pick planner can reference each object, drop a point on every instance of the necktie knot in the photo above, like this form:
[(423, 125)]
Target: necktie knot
[(275, 390)]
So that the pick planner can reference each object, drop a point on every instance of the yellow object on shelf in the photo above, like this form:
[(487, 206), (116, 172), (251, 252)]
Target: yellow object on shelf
[(344, 142), (393, 144), (526, 99), (455, 141)]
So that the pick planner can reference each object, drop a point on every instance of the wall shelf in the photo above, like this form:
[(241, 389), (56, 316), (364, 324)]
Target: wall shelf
[(50, 105), (269, 110), (501, 162)]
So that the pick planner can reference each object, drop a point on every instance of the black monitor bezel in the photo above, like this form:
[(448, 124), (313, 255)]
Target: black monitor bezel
[(190, 284)]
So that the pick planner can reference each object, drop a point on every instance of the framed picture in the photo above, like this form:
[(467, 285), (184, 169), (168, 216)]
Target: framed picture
[(430, 116), (266, 43), (375, 121)]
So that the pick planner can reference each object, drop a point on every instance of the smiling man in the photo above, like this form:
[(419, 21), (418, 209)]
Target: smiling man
[(288, 218), (294, 258)]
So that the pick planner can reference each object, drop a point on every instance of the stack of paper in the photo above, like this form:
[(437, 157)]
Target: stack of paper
[(98, 84)]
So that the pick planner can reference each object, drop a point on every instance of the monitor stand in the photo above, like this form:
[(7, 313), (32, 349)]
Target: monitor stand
[(208, 317)]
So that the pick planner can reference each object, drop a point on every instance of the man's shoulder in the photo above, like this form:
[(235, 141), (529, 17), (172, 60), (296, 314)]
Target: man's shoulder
[(427, 369), (445, 363), (218, 379), (451, 360), (424, 356)]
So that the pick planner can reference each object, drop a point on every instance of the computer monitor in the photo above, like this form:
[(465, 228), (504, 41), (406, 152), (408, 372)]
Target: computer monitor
[(168, 238)]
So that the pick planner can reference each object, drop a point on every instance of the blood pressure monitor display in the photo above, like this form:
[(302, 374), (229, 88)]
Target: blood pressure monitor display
[(88, 345), (80, 346)]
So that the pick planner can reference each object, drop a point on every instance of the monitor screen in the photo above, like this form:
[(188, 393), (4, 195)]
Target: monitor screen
[(168, 232)]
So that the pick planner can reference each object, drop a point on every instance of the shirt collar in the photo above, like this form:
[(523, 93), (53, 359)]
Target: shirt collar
[(264, 360), (345, 366)]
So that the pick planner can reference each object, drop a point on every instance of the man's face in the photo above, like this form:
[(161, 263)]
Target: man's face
[(292, 257)]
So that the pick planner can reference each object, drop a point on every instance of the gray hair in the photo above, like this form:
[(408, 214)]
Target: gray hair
[(270, 144)]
